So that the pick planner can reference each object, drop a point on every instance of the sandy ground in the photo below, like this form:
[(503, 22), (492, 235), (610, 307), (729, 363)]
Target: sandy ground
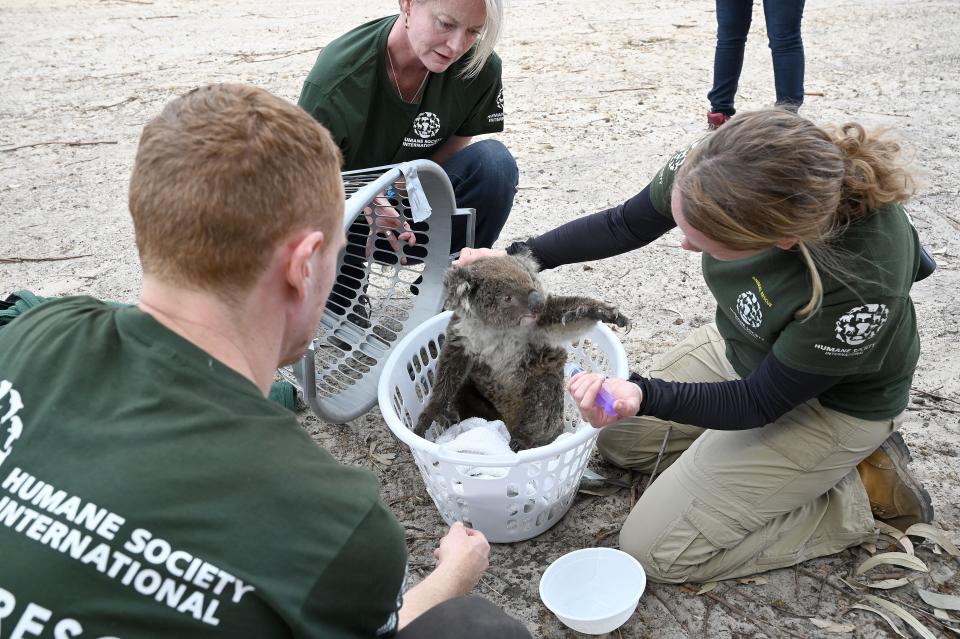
[(597, 97)]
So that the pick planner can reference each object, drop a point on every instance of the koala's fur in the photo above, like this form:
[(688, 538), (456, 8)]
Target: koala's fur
[(504, 353)]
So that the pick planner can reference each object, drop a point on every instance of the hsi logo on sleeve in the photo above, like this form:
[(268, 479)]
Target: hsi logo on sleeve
[(11, 427), (861, 323), (855, 328), (497, 116), (675, 162)]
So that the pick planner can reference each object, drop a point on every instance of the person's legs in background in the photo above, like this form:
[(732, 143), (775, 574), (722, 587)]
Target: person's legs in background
[(733, 24), (484, 177), (783, 19)]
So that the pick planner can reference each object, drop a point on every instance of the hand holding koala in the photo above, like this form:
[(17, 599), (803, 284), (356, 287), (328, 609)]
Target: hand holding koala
[(504, 351)]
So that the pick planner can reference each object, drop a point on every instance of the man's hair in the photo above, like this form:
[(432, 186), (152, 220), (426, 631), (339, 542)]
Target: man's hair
[(221, 177)]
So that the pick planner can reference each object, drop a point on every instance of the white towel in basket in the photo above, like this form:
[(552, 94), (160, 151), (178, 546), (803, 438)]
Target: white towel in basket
[(476, 436)]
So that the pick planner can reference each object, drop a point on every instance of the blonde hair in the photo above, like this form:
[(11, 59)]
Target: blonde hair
[(772, 175), (221, 177), (482, 49)]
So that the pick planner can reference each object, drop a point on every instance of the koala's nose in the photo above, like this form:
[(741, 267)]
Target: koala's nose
[(535, 302)]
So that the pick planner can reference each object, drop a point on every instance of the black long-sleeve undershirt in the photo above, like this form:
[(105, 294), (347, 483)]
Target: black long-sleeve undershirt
[(765, 395), (625, 227), (769, 392)]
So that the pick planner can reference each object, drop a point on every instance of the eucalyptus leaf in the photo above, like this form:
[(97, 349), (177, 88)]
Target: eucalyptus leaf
[(935, 535), (938, 600), (897, 534), (912, 621), (753, 581), (832, 626), (882, 614), (893, 558), (887, 584)]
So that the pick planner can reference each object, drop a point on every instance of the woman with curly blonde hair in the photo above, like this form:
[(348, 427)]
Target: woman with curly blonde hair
[(764, 417)]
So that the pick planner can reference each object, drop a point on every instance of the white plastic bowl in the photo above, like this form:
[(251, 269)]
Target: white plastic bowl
[(593, 590)]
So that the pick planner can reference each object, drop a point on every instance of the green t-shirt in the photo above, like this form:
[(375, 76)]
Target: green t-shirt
[(865, 330), (348, 92), (148, 490)]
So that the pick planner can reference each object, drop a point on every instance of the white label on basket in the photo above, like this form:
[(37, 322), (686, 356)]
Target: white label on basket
[(419, 205)]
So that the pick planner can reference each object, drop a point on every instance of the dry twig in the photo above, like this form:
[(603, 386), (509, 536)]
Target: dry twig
[(16, 259), (640, 88), (604, 534), (757, 621), (663, 603), (101, 107), (63, 142), (936, 408), (397, 500), (252, 57), (941, 398), (489, 587)]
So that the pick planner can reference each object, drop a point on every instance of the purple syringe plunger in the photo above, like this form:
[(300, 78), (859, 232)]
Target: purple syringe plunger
[(604, 400)]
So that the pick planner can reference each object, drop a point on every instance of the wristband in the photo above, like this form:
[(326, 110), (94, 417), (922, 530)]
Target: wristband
[(390, 191)]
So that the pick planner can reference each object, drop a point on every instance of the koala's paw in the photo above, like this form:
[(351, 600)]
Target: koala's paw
[(621, 320), (598, 311), (443, 419), (423, 423)]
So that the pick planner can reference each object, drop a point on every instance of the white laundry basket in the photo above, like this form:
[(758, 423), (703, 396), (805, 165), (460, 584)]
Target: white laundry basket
[(517, 496)]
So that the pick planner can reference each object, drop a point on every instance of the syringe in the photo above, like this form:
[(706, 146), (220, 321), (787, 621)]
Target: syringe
[(604, 399)]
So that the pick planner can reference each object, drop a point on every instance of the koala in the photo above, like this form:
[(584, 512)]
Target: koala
[(503, 354)]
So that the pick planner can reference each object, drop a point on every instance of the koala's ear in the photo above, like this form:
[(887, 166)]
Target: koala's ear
[(527, 261), (457, 285)]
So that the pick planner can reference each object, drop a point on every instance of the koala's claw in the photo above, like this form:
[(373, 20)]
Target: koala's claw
[(423, 423), (580, 312), (612, 315), (443, 420), (622, 321)]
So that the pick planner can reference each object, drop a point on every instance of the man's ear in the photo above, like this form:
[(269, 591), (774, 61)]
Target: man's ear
[(457, 285), (300, 264)]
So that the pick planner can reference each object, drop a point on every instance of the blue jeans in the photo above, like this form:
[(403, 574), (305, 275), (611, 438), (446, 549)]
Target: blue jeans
[(786, 46), (484, 177)]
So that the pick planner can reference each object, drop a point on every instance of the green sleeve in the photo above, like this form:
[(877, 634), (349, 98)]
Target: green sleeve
[(361, 591), (487, 113), (662, 184), (324, 109), (847, 336)]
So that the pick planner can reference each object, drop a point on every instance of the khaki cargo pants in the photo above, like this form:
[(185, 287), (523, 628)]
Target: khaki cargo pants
[(735, 503)]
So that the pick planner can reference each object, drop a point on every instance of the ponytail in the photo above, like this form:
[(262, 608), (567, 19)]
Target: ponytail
[(873, 172)]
